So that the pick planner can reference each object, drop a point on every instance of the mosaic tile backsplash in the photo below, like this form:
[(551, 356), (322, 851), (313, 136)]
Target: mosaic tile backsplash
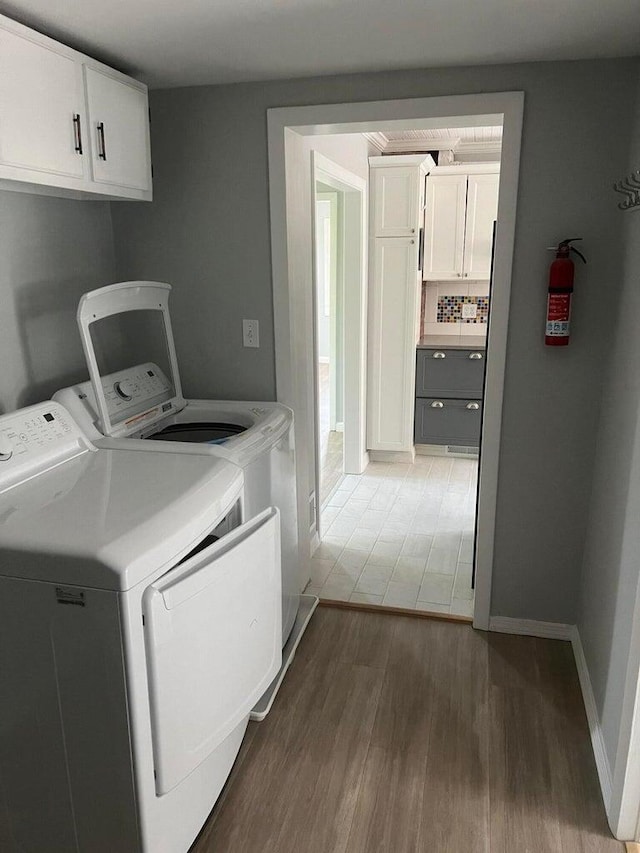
[(450, 309)]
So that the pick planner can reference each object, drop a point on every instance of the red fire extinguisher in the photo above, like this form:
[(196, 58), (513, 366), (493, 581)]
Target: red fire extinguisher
[(560, 290)]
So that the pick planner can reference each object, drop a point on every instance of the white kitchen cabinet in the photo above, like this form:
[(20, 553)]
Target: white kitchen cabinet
[(393, 306), (445, 207), (119, 121), (482, 210), (41, 102), (397, 192), (59, 112), (396, 198), (459, 213)]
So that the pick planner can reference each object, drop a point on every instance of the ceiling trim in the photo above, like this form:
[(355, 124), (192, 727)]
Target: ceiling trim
[(443, 144), (377, 139), (382, 143), (492, 147)]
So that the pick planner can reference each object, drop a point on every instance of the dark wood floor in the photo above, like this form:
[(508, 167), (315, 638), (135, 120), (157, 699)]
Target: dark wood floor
[(393, 734)]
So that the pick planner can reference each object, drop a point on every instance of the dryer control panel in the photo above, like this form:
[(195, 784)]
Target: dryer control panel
[(35, 439)]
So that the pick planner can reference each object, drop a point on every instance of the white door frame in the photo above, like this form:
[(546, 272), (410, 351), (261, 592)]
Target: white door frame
[(354, 272), (623, 808), (330, 290), (292, 272)]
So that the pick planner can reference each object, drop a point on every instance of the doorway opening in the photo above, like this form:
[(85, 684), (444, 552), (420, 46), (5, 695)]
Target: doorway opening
[(397, 504), (339, 268), (329, 336), (402, 534)]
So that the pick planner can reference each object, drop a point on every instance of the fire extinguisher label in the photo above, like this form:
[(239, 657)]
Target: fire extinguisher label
[(558, 315)]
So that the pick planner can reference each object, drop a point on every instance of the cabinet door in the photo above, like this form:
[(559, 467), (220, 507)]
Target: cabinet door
[(396, 192), (482, 210), (444, 227), (450, 373), (391, 376), (119, 124), (40, 95), (448, 421)]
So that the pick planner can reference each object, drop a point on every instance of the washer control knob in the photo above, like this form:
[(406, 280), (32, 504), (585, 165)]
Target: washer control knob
[(123, 388), (6, 451)]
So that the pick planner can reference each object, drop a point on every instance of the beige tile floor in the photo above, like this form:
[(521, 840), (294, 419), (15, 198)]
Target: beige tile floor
[(400, 535)]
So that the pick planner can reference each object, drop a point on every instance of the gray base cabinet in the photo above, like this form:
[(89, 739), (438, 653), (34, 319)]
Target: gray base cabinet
[(450, 373), (449, 389), (448, 421)]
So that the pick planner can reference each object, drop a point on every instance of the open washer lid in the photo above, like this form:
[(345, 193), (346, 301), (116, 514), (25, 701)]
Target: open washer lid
[(128, 343)]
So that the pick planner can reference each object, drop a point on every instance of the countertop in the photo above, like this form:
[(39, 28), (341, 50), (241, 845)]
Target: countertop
[(453, 342)]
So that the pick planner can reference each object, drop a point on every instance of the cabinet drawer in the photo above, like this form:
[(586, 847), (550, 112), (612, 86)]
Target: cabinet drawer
[(446, 421), (450, 373)]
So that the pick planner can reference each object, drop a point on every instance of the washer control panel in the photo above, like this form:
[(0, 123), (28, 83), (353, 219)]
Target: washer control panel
[(34, 439), (135, 390)]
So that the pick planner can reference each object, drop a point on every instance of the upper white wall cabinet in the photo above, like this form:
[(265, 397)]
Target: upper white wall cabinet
[(398, 191), (460, 209), (398, 194), (444, 214), (69, 125)]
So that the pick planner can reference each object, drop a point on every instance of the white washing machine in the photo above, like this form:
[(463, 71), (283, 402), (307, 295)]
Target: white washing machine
[(140, 619), (134, 401)]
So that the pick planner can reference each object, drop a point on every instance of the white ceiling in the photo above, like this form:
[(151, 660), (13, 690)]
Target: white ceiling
[(185, 42), (464, 134)]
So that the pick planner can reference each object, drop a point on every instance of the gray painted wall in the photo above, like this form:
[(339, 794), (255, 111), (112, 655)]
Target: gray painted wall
[(612, 561), (51, 251), (207, 232)]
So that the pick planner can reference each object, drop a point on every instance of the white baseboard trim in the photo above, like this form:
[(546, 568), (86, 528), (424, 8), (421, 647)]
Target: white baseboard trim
[(531, 628), (392, 455), (597, 740)]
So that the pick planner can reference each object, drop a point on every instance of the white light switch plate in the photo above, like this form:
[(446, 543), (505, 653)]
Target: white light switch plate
[(250, 333), (469, 310)]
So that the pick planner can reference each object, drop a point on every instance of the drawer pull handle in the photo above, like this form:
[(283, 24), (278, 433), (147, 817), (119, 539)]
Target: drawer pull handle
[(475, 355), (437, 405), (439, 355), (473, 406)]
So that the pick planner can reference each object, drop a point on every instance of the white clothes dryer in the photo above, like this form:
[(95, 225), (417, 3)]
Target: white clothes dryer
[(140, 619), (134, 401)]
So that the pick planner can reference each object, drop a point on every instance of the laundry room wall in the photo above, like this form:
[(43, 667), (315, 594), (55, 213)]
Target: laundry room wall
[(611, 576), (211, 208), (52, 250), (207, 232)]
